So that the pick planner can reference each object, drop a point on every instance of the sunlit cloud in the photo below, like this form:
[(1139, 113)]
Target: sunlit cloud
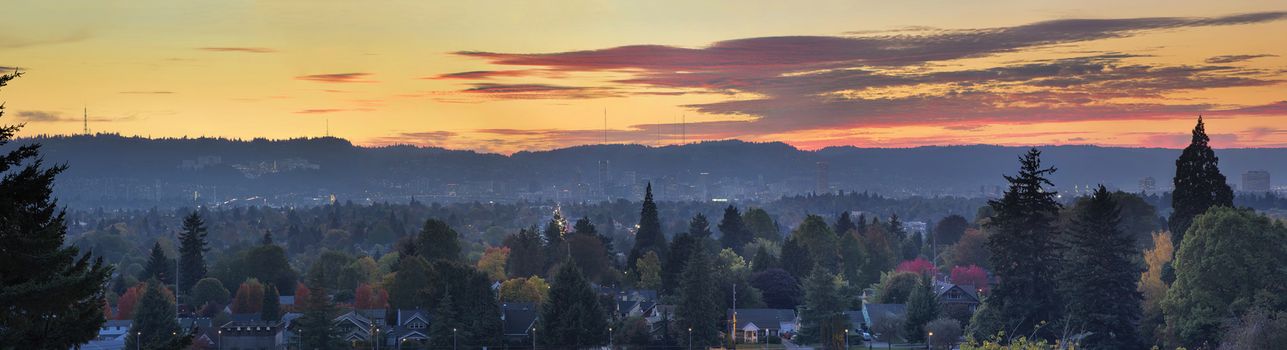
[(338, 78), (239, 49)]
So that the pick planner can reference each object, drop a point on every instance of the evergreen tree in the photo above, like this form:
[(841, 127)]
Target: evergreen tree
[(267, 239), (733, 233), (795, 258), (556, 249), (154, 325), (437, 241), (761, 225), (445, 330), (649, 237), (1199, 185), (763, 260), (861, 224), (526, 255), (878, 253), (698, 309), (271, 308), (823, 319), (1101, 293), (316, 327), (699, 227), (412, 276), (681, 249), (844, 224), (922, 307), (851, 257), (571, 316), (816, 237), (1024, 249), (192, 248), (158, 266)]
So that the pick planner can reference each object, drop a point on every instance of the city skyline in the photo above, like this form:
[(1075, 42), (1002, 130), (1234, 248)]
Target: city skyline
[(461, 76)]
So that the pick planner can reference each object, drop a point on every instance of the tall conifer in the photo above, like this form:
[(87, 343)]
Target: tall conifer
[(1199, 185), (1024, 249)]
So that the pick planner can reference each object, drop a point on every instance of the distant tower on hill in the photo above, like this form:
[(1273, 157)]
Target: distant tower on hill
[(823, 182), (85, 119)]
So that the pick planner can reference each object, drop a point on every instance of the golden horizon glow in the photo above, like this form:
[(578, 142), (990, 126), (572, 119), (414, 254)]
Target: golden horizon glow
[(461, 75)]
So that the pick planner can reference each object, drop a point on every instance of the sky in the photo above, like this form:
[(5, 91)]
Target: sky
[(502, 76)]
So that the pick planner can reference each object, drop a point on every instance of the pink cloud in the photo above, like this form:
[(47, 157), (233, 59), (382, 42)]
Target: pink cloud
[(338, 78)]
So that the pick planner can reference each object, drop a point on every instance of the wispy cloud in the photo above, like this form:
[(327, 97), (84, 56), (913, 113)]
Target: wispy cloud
[(320, 110), (338, 78), (238, 49), (904, 78), (159, 92), (485, 74), (58, 117), (1236, 58)]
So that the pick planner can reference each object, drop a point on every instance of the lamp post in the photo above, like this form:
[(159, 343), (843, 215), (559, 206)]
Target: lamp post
[(137, 340), (846, 338), (375, 343), (609, 337), (929, 340), (220, 337), (533, 338), (690, 338), (453, 339)]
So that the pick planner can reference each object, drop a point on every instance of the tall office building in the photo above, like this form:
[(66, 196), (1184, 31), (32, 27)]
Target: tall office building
[(1148, 185), (1256, 181), (823, 184)]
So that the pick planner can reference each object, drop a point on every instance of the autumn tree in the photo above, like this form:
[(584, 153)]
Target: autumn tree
[(649, 271), (1151, 286), (250, 297), (493, 262)]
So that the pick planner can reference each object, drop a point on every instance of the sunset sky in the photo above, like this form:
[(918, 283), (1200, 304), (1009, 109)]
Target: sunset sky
[(500, 76)]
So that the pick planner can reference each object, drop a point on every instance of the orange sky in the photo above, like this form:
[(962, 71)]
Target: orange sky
[(511, 76)]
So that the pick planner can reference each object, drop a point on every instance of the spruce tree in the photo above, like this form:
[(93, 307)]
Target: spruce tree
[(154, 325), (271, 308), (158, 266), (1101, 276), (733, 232), (851, 258), (697, 308), (649, 236), (1024, 249), (1199, 185), (699, 227), (267, 239), (51, 294), (681, 249), (823, 318), (571, 316), (316, 327), (763, 260), (445, 330), (844, 224), (192, 249), (922, 307)]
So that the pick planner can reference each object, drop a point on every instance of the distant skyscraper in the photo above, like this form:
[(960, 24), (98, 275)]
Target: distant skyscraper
[(823, 182), (1256, 181), (605, 183), (1148, 184)]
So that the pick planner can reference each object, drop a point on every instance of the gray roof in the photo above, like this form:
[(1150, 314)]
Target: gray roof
[(518, 318), (874, 311), (762, 318)]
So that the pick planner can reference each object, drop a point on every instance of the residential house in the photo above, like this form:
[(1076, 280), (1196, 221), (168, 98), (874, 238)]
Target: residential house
[(517, 321), (251, 335), (756, 325), (962, 295)]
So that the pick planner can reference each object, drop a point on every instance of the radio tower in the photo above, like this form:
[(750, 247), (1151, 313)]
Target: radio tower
[(85, 119)]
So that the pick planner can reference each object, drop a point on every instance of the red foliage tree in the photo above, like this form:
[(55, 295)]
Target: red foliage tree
[(367, 297), (301, 294), (918, 266), (125, 304), (971, 275), (250, 297)]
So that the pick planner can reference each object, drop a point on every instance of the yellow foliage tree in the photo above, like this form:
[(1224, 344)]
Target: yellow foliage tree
[(493, 262), (532, 289), (1151, 284)]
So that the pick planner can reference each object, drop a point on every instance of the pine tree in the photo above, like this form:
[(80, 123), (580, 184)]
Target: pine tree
[(861, 225), (697, 308), (271, 307), (571, 316), (1024, 249), (1199, 185), (158, 266), (699, 227), (733, 232), (316, 327), (851, 257), (823, 318), (681, 249), (922, 307), (192, 248), (154, 325), (556, 249), (649, 237), (526, 255), (1102, 297), (412, 276), (844, 224), (267, 239)]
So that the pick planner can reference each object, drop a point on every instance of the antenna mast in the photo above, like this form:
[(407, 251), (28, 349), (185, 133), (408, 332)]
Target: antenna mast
[(605, 125), (85, 119)]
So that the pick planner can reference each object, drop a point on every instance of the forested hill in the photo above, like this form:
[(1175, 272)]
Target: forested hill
[(110, 170)]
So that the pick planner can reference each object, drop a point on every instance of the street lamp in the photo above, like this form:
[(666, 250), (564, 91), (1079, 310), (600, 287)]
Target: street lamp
[(690, 338), (929, 340), (846, 338), (533, 338), (453, 339), (609, 337), (220, 337), (138, 341)]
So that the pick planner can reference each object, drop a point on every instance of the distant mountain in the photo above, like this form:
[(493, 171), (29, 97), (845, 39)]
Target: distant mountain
[(115, 171)]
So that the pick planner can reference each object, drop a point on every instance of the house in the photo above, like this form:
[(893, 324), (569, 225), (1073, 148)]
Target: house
[(114, 329), (755, 325), (411, 327), (207, 332), (354, 327), (876, 315), (957, 294), (517, 321), (251, 335)]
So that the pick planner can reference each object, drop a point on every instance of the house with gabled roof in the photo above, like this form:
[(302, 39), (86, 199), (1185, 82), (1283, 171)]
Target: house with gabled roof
[(755, 325)]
